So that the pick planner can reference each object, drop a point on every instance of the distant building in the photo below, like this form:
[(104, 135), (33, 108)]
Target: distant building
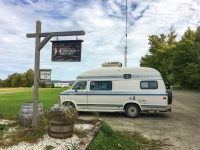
[(58, 83)]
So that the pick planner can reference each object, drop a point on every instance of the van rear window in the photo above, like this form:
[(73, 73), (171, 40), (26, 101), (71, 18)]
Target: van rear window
[(101, 85), (149, 85)]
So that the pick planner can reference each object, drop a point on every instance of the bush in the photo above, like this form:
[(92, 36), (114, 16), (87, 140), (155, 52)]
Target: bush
[(64, 113), (3, 127)]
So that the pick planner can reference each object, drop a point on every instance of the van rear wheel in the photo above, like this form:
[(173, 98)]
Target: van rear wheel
[(132, 111), (169, 93)]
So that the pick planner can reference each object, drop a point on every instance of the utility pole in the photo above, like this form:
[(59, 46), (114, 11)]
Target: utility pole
[(126, 48), (38, 46)]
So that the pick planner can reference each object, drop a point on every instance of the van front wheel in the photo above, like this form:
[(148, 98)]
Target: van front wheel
[(69, 105), (132, 111)]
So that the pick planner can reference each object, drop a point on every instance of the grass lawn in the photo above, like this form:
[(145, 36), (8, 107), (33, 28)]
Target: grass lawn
[(108, 139), (11, 99), (13, 90)]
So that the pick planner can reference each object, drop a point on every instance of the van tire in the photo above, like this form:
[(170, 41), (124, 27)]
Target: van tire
[(170, 97), (132, 111)]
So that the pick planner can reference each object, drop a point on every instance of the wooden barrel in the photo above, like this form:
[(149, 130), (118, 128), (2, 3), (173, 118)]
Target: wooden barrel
[(26, 113), (61, 129)]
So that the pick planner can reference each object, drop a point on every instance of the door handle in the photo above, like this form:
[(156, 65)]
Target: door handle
[(132, 97)]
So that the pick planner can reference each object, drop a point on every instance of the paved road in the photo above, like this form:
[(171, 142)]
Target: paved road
[(180, 128)]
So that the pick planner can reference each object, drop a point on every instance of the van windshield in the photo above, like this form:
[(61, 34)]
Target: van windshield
[(81, 85)]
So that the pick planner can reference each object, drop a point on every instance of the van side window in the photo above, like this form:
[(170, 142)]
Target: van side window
[(81, 85), (101, 85), (149, 85)]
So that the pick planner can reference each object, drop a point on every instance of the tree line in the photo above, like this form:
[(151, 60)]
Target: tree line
[(177, 60), (19, 80)]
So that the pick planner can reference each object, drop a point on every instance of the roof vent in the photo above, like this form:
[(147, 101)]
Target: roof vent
[(112, 64)]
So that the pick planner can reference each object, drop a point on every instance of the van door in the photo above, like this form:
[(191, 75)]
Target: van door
[(152, 95), (79, 94), (100, 96)]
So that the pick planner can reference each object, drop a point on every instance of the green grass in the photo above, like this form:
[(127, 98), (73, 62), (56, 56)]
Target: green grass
[(107, 138), (49, 147), (13, 90), (11, 99)]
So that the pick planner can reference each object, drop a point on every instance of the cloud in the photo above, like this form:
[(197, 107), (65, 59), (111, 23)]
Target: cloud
[(103, 22)]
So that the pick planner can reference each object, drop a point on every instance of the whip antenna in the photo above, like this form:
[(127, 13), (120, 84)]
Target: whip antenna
[(125, 48)]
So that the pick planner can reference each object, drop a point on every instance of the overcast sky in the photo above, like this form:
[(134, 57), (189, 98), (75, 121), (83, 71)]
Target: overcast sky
[(104, 24)]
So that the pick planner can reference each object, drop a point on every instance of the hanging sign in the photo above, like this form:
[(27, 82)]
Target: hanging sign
[(67, 50), (45, 74)]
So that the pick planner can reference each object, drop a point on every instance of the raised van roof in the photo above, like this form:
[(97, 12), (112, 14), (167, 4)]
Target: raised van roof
[(117, 72)]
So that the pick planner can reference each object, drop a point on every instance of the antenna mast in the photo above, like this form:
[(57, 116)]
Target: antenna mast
[(125, 48)]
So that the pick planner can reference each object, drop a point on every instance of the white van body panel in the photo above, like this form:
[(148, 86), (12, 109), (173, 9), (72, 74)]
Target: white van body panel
[(123, 91)]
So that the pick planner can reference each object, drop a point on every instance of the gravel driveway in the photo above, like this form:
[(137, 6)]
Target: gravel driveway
[(180, 128)]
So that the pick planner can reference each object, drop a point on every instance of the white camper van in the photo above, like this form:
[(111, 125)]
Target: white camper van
[(116, 89)]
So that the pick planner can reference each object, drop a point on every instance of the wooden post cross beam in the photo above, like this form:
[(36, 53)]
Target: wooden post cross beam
[(38, 46), (65, 33)]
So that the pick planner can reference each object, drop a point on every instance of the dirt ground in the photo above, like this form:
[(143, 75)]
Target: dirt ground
[(180, 128)]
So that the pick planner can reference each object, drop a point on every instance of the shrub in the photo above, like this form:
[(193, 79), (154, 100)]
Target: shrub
[(3, 127)]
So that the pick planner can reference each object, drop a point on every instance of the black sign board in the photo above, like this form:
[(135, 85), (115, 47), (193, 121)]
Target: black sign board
[(66, 50)]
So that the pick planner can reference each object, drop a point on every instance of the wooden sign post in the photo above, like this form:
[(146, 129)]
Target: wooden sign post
[(38, 46)]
